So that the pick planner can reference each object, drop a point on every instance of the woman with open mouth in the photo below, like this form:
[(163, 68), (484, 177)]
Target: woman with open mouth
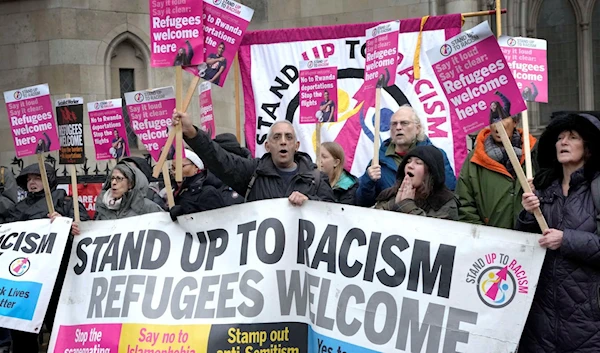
[(565, 313), (419, 187)]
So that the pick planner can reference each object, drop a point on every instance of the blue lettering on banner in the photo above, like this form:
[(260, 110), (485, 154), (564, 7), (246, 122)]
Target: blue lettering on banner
[(19, 299), (318, 343)]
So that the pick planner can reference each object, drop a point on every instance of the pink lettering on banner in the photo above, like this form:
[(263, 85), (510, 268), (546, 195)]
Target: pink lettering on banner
[(318, 91), (176, 36), (150, 114), (476, 80), (32, 122), (108, 129), (527, 60), (207, 118), (94, 337), (382, 54), (225, 22)]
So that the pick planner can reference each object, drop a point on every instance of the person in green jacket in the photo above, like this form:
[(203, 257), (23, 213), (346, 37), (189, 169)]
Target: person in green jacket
[(488, 190)]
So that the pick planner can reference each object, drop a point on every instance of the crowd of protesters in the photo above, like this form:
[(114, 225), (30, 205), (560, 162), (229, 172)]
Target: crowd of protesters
[(412, 176)]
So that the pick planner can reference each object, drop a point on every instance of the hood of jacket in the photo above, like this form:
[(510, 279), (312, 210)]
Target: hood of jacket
[(432, 157), (134, 198), (35, 169), (480, 157), (141, 164)]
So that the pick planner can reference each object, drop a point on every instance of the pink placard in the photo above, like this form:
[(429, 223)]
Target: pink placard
[(476, 79), (207, 118), (32, 121), (176, 36), (527, 59), (93, 337), (381, 52), (225, 22), (108, 129), (150, 114), (318, 91)]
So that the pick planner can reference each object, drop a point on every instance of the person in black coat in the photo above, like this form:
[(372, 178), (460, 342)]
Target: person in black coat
[(281, 172), (230, 144), (344, 184), (34, 207), (145, 168), (193, 194), (565, 313)]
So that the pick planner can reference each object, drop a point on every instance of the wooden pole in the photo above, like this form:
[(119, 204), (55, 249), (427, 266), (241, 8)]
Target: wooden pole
[(377, 125), (168, 186), (526, 144), (44, 176), (481, 13), (318, 144), (186, 104), (512, 156), (238, 110), (498, 18), (178, 128)]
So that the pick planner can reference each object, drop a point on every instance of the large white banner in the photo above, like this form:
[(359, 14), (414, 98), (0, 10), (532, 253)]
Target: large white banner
[(31, 253), (269, 277), (268, 60)]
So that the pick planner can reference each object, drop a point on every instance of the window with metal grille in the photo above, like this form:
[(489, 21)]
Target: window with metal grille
[(127, 84)]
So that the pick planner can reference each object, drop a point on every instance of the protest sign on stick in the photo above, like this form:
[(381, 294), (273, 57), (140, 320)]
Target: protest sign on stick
[(176, 35), (476, 80), (207, 116), (69, 112), (150, 114), (224, 26), (33, 127), (108, 129), (178, 128), (381, 62)]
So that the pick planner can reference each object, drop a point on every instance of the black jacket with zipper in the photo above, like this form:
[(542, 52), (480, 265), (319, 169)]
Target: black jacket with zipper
[(237, 172)]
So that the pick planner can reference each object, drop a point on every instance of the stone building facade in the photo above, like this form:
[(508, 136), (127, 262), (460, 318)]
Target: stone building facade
[(99, 49)]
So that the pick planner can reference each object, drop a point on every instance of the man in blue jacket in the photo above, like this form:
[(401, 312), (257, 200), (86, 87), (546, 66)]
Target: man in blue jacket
[(406, 132)]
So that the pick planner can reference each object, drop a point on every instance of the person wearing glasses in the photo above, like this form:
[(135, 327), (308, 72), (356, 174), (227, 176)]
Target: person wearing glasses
[(34, 206), (193, 194), (406, 132), (124, 194)]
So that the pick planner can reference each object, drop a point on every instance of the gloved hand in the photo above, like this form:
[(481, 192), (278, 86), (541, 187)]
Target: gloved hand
[(176, 211)]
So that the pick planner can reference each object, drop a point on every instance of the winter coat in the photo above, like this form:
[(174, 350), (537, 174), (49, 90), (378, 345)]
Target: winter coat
[(486, 191), (344, 191), (229, 196), (195, 196), (151, 194), (8, 193), (134, 201), (565, 314), (34, 205), (237, 172), (389, 161), (441, 202)]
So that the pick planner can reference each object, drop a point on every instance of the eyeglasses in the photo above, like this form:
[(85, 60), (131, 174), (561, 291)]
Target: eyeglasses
[(404, 123), (118, 179), (182, 166)]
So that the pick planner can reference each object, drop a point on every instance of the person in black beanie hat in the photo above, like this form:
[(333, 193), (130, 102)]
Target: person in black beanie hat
[(565, 311), (419, 187)]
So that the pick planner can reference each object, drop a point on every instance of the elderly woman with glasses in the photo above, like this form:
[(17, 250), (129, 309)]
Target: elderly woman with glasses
[(197, 192), (123, 194)]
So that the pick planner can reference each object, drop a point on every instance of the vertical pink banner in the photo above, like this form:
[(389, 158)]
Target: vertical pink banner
[(207, 118), (225, 22), (31, 119), (382, 54), (476, 80), (108, 129), (176, 35), (318, 91), (528, 62), (150, 114)]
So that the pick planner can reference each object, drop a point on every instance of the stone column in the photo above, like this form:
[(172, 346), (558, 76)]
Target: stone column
[(462, 6), (586, 68)]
